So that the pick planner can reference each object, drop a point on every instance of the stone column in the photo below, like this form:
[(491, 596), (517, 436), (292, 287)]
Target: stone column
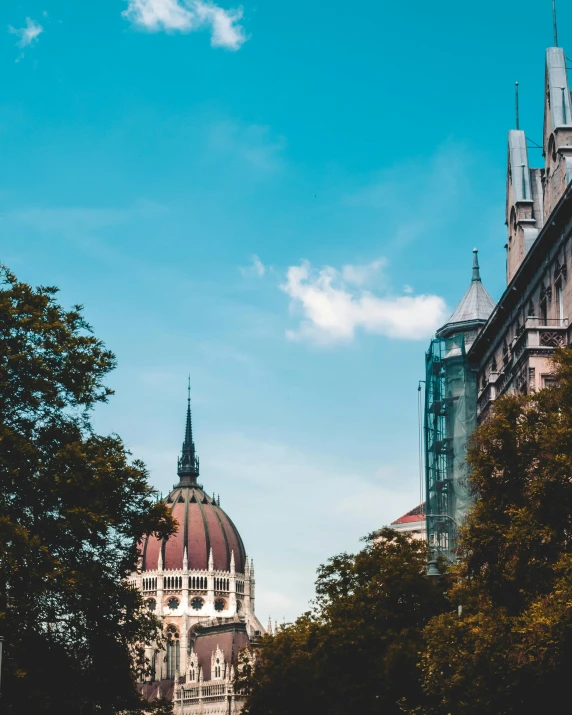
[(246, 599), (252, 586), (160, 578), (210, 586), (232, 589)]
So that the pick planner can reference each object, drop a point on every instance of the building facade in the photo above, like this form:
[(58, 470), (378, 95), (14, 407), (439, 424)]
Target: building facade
[(412, 523), (202, 586), (485, 350)]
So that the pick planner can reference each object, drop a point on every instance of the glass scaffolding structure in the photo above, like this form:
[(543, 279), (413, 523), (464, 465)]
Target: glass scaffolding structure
[(450, 417)]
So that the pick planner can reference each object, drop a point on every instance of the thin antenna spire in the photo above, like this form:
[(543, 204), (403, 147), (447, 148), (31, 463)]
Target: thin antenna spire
[(476, 271), (555, 23), (516, 103)]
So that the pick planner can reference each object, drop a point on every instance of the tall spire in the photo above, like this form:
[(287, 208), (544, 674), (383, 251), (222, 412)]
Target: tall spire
[(188, 464), (554, 23), (476, 271), (474, 309)]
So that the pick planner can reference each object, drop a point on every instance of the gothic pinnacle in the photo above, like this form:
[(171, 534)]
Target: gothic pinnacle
[(188, 464)]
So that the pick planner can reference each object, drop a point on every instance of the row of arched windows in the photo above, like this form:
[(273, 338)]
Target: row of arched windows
[(198, 583), (173, 583)]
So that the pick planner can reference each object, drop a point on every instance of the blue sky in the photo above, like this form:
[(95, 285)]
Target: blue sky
[(281, 200)]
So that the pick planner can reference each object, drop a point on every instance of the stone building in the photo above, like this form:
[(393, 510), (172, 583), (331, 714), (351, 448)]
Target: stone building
[(200, 583), (487, 350), (412, 523)]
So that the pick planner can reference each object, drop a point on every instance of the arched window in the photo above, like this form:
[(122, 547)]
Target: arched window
[(173, 651), (219, 604), (217, 669), (192, 674)]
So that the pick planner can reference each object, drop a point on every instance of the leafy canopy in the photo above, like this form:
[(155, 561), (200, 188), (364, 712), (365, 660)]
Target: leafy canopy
[(511, 651), (357, 650), (72, 509)]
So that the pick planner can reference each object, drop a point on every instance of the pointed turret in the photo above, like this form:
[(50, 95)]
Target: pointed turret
[(474, 309), (188, 464), (524, 202), (557, 142)]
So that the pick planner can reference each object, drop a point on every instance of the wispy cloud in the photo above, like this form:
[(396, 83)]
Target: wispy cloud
[(188, 16), (330, 517), (253, 144), (334, 304), (69, 219), (28, 35), (256, 268), (435, 185)]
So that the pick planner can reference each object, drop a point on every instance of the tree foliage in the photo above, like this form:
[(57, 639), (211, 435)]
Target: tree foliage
[(357, 650), (72, 508), (511, 650)]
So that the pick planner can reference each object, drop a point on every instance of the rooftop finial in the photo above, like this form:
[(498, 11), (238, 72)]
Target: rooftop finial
[(188, 464), (516, 102), (555, 23), (476, 271)]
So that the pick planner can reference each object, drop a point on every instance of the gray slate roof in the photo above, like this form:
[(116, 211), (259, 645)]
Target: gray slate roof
[(518, 158), (560, 103), (475, 306)]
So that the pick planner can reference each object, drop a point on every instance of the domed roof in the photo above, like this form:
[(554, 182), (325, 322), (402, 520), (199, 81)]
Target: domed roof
[(203, 526)]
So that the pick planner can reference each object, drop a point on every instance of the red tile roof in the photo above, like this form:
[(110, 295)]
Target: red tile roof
[(417, 514)]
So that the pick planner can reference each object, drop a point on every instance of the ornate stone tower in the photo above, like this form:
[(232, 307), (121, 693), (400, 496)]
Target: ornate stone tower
[(201, 584)]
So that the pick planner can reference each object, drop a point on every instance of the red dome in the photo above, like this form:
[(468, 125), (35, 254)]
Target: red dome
[(203, 526)]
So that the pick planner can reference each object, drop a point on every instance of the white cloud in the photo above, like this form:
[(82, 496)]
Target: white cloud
[(188, 16), (29, 34), (364, 274), (332, 308)]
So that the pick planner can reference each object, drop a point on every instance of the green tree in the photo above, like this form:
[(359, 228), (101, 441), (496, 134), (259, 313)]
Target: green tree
[(357, 650), (511, 650), (72, 508)]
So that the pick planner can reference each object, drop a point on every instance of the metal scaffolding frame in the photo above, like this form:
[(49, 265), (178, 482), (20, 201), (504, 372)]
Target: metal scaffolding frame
[(450, 417)]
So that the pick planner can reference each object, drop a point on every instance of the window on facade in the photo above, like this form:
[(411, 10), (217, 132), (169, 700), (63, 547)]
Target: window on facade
[(173, 652), (543, 312), (173, 604), (151, 605), (197, 604), (192, 674), (560, 303), (219, 604), (217, 669)]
